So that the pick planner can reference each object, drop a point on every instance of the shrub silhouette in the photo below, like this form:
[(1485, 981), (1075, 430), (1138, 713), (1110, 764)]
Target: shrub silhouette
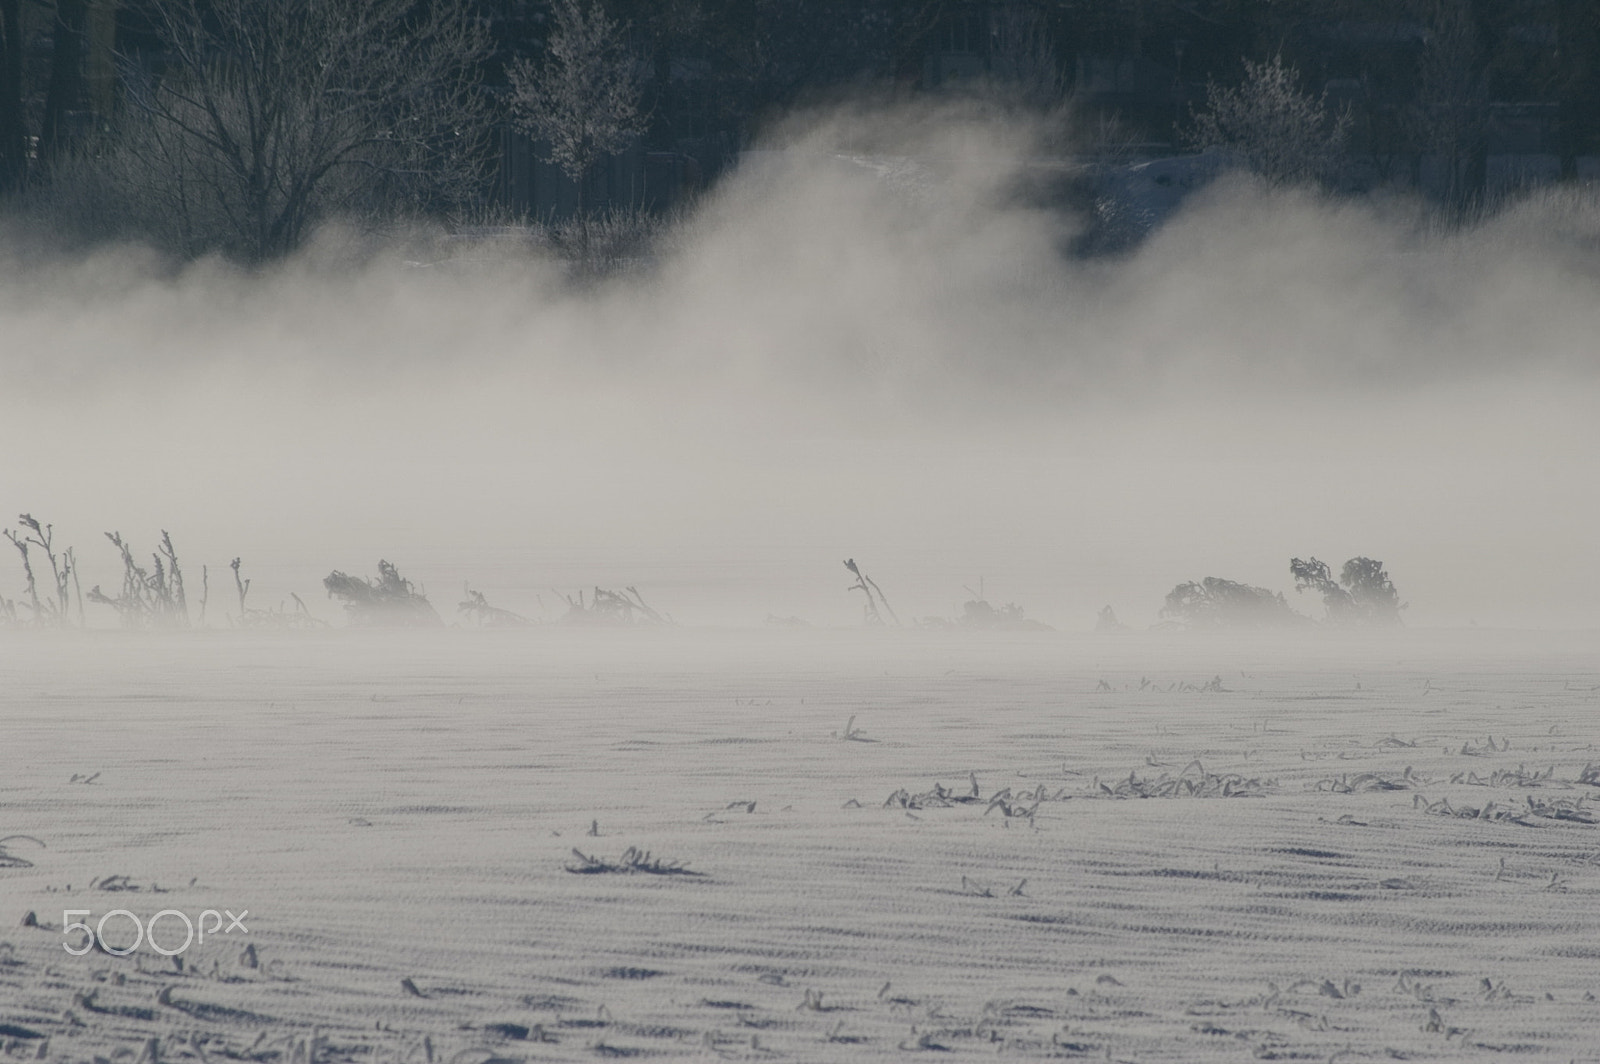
[(1362, 596), (388, 602), (1217, 603)]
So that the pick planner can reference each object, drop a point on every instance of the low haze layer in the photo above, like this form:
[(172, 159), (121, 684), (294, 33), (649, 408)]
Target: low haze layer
[(871, 341)]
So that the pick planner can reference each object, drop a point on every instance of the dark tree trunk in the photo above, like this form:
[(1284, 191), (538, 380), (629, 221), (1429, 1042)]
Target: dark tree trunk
[(65, 96), (1473, 175), (13, 129), (1577, 41), (663, 108)]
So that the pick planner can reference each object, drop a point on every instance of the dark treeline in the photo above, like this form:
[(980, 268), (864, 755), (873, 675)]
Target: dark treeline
[(718, 67), (236, 124)]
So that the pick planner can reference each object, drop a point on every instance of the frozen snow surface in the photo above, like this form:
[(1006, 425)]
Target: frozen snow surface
[(803, 845)]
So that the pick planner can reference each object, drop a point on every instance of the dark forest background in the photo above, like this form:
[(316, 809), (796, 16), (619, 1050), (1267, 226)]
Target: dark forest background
[(237, 125)]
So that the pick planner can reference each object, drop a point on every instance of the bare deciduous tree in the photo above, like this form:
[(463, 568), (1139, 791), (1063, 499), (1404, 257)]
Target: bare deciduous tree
[(270, 114), (583, 99), (1281, 133)]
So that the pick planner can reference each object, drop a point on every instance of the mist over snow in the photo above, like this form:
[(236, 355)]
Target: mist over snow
[(871, 342)]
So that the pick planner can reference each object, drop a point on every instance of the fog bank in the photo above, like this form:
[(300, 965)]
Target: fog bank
[(869, 342)]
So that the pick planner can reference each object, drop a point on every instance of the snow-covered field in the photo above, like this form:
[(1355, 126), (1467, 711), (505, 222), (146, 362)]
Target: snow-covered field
[(399, 817)]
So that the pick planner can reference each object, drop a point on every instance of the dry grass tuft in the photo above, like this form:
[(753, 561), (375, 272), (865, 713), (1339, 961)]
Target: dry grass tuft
[(1369, 782), (632, 860), (1530, 814), (852, 733), (1504, 777), (941, 797), (1199, 784), (11, 860)]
